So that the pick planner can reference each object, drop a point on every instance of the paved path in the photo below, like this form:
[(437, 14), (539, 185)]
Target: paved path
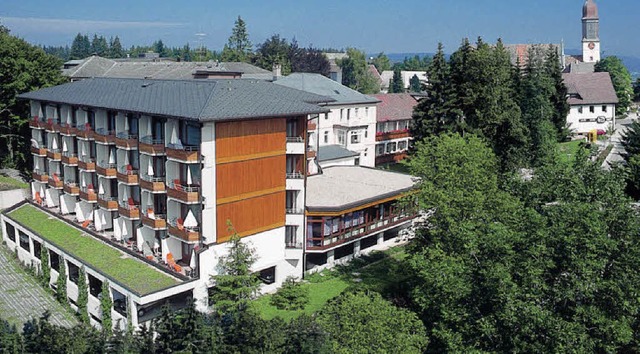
[(615, 155), (22, 298)]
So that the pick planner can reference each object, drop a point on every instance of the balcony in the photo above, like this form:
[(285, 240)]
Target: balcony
[(294, 210), (104, 136), (188, 234), (54, 154), (295, 175), (295, 145), (395, 134), (88, 194), (184, 154), (154, 184), (153, 220), (108, 203), (71, 188), (40, 175), (67, 129), (88, 165), (84, 131), (127, 141), (127, 175), (69, 159), (150, 146), (183, 193), (107, 170), (311, 154), (51, 124), (37, 122), (130, 210), (311, 126), (55, 182), (39, 151)]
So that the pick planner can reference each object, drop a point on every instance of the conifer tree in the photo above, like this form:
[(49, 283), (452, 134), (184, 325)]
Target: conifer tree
[(45, 268), (396, 84), (61, 283), (414, 84), (83, 296), (238, 47), (106, 304), (559, 96), (436, 113), (115, 48), (236, 284)]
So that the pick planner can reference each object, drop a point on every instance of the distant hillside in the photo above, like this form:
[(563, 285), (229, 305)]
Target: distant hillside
[(398, 57)]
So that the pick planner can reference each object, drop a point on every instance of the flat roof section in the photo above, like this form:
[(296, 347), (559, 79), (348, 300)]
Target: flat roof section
[(344, 187), (116, 265)]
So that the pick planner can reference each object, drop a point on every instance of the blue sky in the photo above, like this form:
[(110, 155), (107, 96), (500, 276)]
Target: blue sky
[(371, 25)]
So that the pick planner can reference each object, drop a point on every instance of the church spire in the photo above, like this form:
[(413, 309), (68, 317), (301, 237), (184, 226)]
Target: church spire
[(590, 32)]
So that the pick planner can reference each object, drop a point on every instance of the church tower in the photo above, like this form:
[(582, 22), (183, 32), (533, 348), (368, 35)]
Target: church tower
[(590, 32)]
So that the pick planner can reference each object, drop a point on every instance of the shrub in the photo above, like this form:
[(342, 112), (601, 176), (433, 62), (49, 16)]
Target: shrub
[(292, 296)]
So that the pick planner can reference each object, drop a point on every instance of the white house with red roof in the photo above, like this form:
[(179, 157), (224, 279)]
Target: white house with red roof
[(592, 99), (393, 120)]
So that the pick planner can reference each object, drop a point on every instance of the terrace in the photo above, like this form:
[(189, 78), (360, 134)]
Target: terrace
[(131, 271)]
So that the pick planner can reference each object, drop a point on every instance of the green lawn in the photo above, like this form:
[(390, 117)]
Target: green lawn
[(567, 151), (380, 271), (131, 273), (8, 183)]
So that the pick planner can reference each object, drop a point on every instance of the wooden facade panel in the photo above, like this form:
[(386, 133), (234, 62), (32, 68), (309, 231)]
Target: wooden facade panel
[(254, 137), (251, 176), (251, 216)]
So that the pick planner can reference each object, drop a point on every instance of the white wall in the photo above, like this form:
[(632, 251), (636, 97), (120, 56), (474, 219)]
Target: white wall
[(574, 117)]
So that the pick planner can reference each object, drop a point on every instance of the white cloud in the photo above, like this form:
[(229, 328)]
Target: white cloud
[(58, 25)]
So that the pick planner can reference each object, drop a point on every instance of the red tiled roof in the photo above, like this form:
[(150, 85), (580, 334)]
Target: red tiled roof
[(590, 88), (395, 106)]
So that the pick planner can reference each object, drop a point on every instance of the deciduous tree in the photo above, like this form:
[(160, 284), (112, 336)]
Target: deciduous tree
[(621, 79)]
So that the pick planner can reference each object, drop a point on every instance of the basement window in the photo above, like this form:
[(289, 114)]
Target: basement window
[(268, 275)]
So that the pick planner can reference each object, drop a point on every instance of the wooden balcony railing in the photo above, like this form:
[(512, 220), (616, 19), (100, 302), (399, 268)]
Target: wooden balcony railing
[(130, 211), (54, 154), (151, 146), (55, 182), (69, 158), (67, 129), (51, 124), (152, 183), (189, 234), (87, 165), (184, 193), (153, 220), (71, 188), (39, 151), (40, 175), (108, 203), (84, 131), (184, 154), (88, 195), (104, 136), (396, 134), (126, 174), (37, 122), (127, 141), (106, 169)]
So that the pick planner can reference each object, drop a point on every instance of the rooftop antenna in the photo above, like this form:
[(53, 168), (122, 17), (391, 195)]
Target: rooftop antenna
[(200, 50)]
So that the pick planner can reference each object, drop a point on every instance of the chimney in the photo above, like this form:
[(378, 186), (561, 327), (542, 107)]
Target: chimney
[(277, 71)]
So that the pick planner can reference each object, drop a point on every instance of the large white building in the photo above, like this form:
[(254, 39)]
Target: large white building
[(137, 182), (350, 123), (592, 101)]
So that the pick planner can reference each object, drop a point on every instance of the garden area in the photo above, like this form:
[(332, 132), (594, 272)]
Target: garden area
[(380, 272), (8, 183)]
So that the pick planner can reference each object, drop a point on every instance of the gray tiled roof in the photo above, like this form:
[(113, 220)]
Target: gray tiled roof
[(321, 85), (334, 152), (590, 88), (96, 66), (344, 187), (203, 100)]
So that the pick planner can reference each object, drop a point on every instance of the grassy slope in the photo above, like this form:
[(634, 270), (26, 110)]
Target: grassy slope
[(8, 183), (129, 272), (381, 272)]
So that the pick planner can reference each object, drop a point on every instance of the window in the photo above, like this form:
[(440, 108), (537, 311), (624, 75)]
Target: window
[(592, 109), (604, 108), (356, 162), (54, 260), (366, 133), (95, 286), (326, 137), (366, 111), (348, 113), (11, 232), (405, 124), (74, 272), (290, 239), (580, 109), (268, 275), (391, 147), (402, 145), (341, 113), (326, 116), (366, 151), (355, 114), (380, 128), (37, 248), (24, 241), (379, 149), (355, 138)]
